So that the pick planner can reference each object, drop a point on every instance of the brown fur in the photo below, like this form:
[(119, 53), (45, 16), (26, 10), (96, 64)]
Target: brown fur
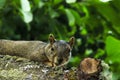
[(55, 53)]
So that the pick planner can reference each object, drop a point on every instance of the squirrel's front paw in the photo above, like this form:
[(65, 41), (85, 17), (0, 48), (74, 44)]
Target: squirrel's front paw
[(51, 64)]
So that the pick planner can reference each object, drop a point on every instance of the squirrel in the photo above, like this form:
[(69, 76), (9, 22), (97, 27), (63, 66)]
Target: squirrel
[(54, 53)]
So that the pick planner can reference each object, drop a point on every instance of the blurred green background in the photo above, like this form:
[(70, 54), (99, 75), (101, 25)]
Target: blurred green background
[(94, 23)]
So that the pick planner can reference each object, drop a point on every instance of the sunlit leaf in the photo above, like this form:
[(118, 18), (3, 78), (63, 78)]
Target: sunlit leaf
[(41, 4), (25, 5), (83, 31), (70, 17), (25, 10), (105, 0), (113, 49), (70, 1), (27, 16), (88, 52)]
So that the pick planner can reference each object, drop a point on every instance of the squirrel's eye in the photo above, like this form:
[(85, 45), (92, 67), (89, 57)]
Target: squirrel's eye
[(52, 49)]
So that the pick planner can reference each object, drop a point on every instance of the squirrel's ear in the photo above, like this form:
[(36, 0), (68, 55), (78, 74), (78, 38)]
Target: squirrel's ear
[(71, 41), (51, 38)]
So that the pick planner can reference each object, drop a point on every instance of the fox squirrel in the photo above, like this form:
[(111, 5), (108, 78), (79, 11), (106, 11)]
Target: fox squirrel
[(54, 53)]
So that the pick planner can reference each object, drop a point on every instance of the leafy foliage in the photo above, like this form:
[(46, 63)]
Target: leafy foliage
[(94, 23), (112, 48)]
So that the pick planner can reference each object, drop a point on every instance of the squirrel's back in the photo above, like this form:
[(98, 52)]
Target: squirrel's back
[(20, 48)]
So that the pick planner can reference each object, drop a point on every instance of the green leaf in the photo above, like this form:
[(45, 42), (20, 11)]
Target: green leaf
[(27, 16), (83, 31), (110, 14), (70, 17), (77, 17), (25, 10), (116, 3), (53, 13), (99, 53), (70, 1), (113, 49), (2, 2), (41, 4), (25, 5), (75, 61), (57, 1)]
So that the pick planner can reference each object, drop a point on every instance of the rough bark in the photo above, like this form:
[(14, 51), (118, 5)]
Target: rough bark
[(89, 69), (93, 69), (16, 68)]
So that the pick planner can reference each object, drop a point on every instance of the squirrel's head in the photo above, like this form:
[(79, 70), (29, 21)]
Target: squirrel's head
[(59, 51)]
